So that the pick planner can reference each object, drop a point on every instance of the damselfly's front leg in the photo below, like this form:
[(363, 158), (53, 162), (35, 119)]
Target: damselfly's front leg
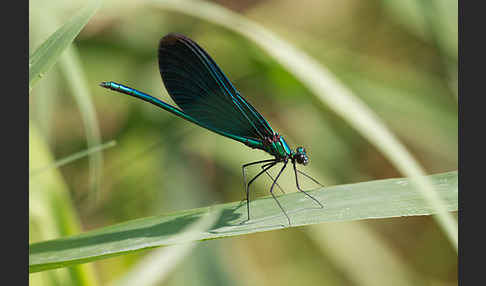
[(298, 186)]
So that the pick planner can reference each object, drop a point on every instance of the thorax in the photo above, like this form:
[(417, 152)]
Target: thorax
[(277, 146)]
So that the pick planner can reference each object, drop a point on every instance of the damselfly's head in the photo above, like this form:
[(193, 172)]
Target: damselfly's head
[(300, 156)]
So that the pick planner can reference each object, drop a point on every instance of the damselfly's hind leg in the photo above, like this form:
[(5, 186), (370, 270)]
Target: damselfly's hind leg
[(300, 189), (243, 170), (270, 164)]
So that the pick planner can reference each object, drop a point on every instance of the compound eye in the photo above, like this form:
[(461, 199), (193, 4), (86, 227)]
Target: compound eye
[(301, 159)]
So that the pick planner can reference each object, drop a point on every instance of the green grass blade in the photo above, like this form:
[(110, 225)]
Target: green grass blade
[(374, 199), (72, 158), (327, 89), (52, 213), (71, 68), (154, 268), (49, 52)]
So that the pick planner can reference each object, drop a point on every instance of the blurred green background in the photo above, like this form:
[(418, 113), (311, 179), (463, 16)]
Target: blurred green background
[(399, 57)]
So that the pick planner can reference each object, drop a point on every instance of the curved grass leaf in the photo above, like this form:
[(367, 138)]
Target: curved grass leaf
[(71, 67), (48, 53), (75, 78), (374, 199)]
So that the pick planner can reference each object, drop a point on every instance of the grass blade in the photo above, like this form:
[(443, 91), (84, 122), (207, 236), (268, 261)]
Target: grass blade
[(70, 66), (155, 267), (368, 200), (72, 158), (49, 52), (52, 213)]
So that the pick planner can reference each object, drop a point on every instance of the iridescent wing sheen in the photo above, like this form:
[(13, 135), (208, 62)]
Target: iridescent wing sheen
[(200, 89)]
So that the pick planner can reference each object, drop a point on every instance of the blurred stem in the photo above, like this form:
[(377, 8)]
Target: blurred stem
[(70, 65), (359, 258), (449, 64), (73, 157)]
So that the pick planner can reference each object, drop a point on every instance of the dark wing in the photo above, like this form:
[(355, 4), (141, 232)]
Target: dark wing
[(200, 89)]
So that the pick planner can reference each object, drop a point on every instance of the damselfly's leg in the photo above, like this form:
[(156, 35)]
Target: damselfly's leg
[(314, 180), (247, 186), (243, 169), (275, 198), (249, 164), (298, 186), (273, 180)]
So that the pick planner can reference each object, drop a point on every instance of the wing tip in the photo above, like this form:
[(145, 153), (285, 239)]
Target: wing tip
[(172, 38)]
